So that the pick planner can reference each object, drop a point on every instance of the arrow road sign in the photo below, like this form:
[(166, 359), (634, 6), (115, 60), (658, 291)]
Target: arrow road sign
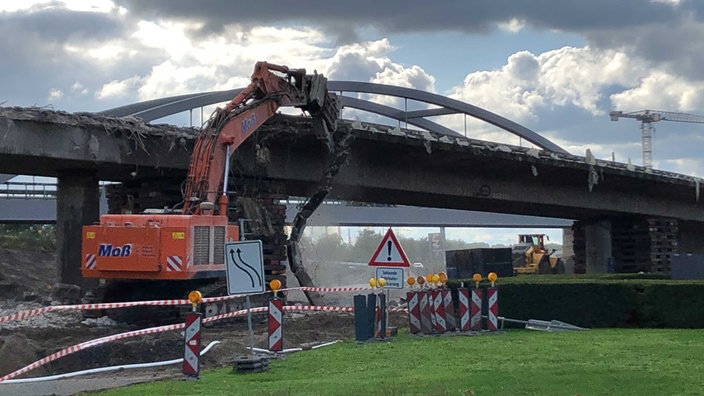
[(244, 267)]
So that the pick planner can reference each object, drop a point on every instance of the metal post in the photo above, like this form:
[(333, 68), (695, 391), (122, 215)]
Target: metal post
[(249, 327)]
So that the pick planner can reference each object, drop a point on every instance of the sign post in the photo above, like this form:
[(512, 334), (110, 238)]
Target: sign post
[(245, 274)]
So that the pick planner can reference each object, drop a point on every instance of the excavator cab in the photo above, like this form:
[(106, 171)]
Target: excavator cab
[(531, 257)]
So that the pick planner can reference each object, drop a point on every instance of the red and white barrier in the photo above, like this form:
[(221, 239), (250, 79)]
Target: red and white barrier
[(475, 319), (492, 323), (191, 353), (413, 312), (426, 313), (463, 302), (439, 309), (450, 321), (276, 340)]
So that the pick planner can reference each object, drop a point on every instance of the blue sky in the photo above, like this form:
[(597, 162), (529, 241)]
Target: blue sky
[(558, 68)]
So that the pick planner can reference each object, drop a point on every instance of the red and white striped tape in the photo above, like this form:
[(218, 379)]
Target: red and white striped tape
[(331, 289), (178, 326), (87, 307), (89, 344)]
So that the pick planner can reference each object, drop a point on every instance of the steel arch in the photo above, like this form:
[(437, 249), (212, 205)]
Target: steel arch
[(158, 108)]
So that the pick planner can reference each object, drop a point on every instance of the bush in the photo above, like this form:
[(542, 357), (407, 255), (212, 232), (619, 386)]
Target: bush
[(607, 301), (26, 236)]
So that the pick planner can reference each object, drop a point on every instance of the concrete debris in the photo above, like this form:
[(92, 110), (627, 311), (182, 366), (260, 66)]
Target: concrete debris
[(504, 148), (630, 166), (427, 146), (446, 139), (357, 125), (589, 158), (593, 178), (533, 152), (534, 170), (102, 321), (396, 131)]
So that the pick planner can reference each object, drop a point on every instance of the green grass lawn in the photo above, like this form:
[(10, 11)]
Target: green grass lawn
[(514, 362)]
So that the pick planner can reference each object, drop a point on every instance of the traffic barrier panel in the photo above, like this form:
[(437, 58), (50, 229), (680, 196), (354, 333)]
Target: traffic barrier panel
[(476, 310), (439, 308), (492, 323), (413, 312), (191, 354), (463, 303), (450, 321), (426, 315), (276, 340)]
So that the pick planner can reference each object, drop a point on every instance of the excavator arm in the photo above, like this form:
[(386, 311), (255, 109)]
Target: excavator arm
[(230, 126)]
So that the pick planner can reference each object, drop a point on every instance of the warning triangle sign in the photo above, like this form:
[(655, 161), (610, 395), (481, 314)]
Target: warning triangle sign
[(389, 253)]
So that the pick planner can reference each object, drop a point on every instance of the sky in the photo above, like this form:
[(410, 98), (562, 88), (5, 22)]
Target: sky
[(556, 67)]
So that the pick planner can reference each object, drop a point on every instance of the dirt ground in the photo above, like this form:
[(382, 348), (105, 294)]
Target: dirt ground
[(26, 279)]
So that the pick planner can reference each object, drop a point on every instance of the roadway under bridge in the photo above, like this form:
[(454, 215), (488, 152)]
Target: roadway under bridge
[(610, 202)]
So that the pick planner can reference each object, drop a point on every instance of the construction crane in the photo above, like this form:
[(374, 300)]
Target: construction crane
[(647, 118)]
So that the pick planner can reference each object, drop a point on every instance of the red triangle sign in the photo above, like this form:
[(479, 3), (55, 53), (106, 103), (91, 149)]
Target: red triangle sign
[(389, 253)]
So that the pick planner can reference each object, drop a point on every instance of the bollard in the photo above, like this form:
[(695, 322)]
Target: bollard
[(360, 317), (191, 355), (276, 342), (439, 308), (450, 321), (371, 315), (381, 324), (475, 315), (413, 312), (463, 299), (492, 323), (425, 312)]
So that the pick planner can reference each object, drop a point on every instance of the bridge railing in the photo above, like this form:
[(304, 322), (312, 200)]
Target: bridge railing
[(28, 190)]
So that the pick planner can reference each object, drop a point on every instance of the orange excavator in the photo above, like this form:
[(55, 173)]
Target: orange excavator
[(187, 244)]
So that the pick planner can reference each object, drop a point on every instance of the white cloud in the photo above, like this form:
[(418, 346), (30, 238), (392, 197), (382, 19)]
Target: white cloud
[(118, 89), (78, 88), (514, 25), (661, 91), (564, 77), (55, 94)]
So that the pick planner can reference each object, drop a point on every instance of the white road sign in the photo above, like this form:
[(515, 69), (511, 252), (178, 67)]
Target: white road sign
[(245, 267), (392, 275)]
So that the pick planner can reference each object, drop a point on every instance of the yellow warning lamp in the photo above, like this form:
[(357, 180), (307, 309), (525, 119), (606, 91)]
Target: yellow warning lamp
[(436, 279), (372, 283), (443, 277), (492, 278), (411, 281), (477, 278), (381, 282), (421, 281), (195, 298), (275, 285), (429, 278)]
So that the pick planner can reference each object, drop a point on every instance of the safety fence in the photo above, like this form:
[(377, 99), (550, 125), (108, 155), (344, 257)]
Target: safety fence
[(179, 326)]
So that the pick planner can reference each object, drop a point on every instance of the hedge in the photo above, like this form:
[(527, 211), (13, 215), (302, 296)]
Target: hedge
[(601, 303)]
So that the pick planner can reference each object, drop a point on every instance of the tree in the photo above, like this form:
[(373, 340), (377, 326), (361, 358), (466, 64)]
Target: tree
[(365, 246)]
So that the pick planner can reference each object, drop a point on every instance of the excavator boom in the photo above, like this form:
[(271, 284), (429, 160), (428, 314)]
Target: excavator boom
[(189, 243)]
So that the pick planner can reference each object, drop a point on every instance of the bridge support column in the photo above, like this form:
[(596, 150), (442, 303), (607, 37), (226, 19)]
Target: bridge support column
[(691, 237), (77, 204), (568, 249), (598, 246)]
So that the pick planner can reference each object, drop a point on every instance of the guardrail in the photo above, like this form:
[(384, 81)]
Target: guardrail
[(28, 190)]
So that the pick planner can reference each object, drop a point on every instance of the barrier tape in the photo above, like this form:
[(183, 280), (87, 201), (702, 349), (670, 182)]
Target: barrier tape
[(90, 344), (331, 289), (88, 307), (179, 326)]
